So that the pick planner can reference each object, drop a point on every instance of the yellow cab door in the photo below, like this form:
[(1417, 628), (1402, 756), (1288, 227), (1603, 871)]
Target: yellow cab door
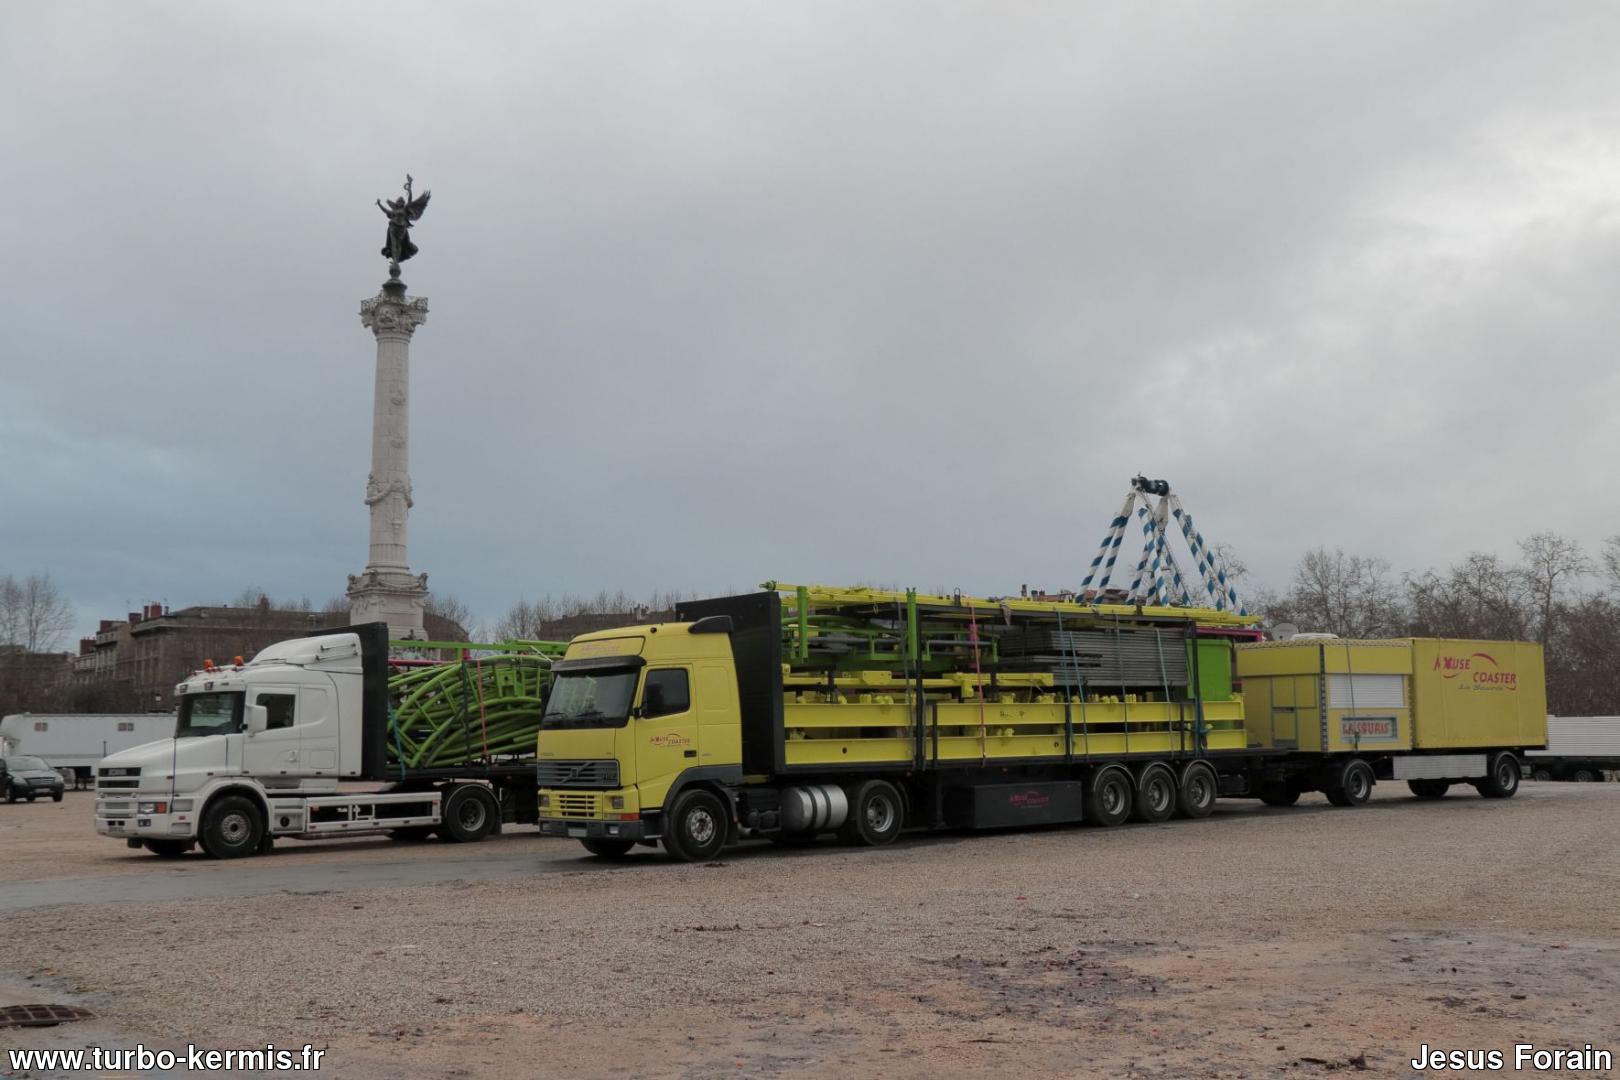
[(666, 731)]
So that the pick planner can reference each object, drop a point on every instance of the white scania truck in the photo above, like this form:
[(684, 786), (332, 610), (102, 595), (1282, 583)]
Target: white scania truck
[(259, 751)]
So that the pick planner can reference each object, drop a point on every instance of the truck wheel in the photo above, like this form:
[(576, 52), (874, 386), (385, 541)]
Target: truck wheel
[(1352, 786), (231, 828), (1584, 776), (1502, 782), (1541, 774), (1108, 798), (695, 828), (609, 849), (1429, 789), (469, 814), (167, 849), (1199, 789), (875, 815), (1278, 794), (1155, 795)]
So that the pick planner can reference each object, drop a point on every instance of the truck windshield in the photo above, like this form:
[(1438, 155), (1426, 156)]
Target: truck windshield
[(590, 700), (209, 714)]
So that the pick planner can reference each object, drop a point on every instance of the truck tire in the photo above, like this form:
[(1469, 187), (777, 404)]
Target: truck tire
[(1584, 776), (1199, 790), (231, 828), (1541, 774), (608, 849), (1351, 785), (1429, 789), (469, 814), (1156, 795), (1108, 798), (876, 814), (1502, 781), (695, 827), (167, 849)]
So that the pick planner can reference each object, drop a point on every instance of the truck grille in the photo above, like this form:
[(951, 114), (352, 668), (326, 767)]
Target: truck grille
[(118, 779), (592, 774), (569, 805)]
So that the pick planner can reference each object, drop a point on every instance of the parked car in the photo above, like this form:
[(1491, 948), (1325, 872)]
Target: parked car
[(29, 778)]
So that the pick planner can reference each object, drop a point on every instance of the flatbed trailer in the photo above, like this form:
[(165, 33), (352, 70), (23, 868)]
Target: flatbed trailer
[(800, 710), (1579, 748)]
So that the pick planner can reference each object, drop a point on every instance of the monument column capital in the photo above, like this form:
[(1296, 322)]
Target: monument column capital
[(393, 316)]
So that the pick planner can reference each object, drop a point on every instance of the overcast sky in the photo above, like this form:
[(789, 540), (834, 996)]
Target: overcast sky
[(820, 292)]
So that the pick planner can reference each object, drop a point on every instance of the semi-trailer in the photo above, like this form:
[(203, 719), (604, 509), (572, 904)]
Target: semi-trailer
[(1581, 748), (797, 711), (258, 750)]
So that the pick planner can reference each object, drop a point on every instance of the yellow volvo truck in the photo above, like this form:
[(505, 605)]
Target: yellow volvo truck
[(798, 711)]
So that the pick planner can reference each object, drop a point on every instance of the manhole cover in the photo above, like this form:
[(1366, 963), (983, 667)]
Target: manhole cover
[(13, 1016)]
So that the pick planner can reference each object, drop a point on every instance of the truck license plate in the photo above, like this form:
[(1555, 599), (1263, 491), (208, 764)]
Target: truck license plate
[(579, 833)]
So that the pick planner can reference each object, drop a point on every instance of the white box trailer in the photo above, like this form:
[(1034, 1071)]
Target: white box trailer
[(1578, 748), (72, 743)]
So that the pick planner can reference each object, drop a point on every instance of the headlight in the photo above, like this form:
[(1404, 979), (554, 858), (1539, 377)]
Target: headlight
[(153, 808), (545, 800), (617, 801)]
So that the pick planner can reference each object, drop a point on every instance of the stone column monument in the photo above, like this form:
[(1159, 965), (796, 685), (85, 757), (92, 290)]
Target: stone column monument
[(387, 591)]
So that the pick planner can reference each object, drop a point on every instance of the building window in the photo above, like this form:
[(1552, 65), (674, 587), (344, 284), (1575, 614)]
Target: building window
[(125, 725), (40, 725)]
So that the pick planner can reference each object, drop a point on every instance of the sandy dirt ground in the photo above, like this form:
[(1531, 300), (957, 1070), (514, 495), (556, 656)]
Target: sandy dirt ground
[(1262, 942)]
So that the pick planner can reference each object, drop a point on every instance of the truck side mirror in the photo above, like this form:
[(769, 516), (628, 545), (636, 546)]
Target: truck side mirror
[(257, 718)]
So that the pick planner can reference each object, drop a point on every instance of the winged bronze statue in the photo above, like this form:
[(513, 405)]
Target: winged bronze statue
[(401, 213)]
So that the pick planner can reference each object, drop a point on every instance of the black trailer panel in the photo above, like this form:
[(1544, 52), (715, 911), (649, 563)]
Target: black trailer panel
[(756, 643), (1008, 806)]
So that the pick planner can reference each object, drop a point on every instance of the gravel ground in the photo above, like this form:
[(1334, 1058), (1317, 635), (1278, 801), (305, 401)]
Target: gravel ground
[(1262, 942)]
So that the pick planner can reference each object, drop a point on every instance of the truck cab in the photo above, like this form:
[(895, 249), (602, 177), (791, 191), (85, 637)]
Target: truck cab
[(636, 716)]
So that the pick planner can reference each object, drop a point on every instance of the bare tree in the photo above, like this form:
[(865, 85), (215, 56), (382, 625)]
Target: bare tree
[(448, 606), (1551, 565), (1480, 597), (1583, 658), (1349, 595), (1610, 560), (34, 615), (250, 597)]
